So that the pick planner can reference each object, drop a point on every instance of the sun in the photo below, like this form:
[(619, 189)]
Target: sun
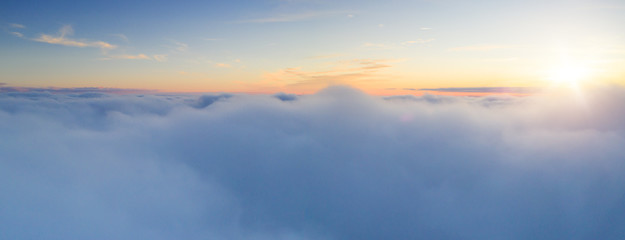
[(569, 70), (569, 74)]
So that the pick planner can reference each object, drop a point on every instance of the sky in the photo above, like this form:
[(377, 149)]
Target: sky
[(302, 46)]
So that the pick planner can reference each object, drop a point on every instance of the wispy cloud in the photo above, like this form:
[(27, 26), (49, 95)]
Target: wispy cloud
[(418, 41), (223, 65), (62, 39), (17, 34), (13, 31), (326, 56), (478, 48), (343, 72), (159, 58), (369, 64), (376, 45), (132, 57), (176, 47), (16, 25), (121, 36), (425, 28), (294, 17), (83, 90), (397, 45), (181, 47), (525, 90)]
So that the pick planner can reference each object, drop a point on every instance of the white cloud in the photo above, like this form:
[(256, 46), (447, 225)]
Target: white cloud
[(121, 36), (339, 164), (16, 25), (61, 39), (17, 34)]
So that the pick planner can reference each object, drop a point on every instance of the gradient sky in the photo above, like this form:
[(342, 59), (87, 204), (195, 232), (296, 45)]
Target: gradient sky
[(301, 46)]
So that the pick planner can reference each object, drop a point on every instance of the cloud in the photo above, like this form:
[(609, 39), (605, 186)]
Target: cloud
[(121, 36), (478, 48), (338, 164), (132, 57), (16, 25), (376, 45), (61, 39), (71, 90), (485, 90), (418, 41), (285, 96), (181, 47), (223, 65), (392, 46), (326, 56), (343, 72), (294, 17), (17, 34), (157, 57), (206, 100), (160, 57)]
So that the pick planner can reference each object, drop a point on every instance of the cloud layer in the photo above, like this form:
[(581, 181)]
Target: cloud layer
[(338, 164)]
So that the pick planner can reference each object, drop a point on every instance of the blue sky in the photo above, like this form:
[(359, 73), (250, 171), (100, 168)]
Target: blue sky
[(302, 46)]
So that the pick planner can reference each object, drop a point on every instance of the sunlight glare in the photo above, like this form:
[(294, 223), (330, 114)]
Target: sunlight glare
[(569, 74)]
